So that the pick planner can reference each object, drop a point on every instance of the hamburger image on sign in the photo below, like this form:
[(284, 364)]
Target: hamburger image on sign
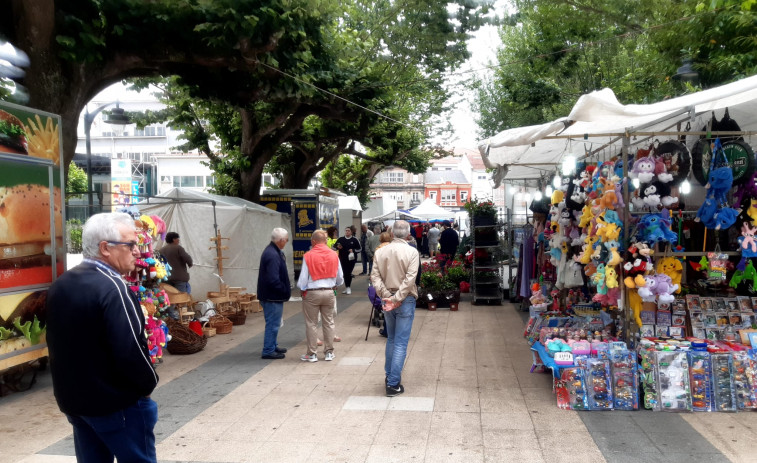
[(12, 134), (26, 248)]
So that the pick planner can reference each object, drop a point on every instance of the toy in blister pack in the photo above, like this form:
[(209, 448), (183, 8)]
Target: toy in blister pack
[(624, 380), (673, 381), (700, 373), (597, 375), (743, 381), (722, 378), (572, 381), (648, 377)]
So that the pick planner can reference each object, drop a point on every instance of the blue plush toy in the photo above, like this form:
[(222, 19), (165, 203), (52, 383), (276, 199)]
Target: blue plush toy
[(724, 218), (707, 211), (654, 228), (720, 183)]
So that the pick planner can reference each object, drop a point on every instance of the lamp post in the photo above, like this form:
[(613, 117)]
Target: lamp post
[(117, 118), (687, 73)]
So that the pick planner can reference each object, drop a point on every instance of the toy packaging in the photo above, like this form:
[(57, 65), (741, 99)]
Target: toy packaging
[(725, 397), (743, 381), (701, 380), (598, 378), (648, 377), (673, 381), (625, 381), (571, 392)]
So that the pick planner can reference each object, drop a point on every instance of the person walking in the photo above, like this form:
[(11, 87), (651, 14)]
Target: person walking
[(321, 273), (372, 244), (333, 234), (393, 276), (348, 247), (179, 261), (100, 365), (433, 240), (365, 234), (273, 290), (448, 243)]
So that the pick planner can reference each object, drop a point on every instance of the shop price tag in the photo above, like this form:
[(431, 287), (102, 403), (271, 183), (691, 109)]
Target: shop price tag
[(563, 358)]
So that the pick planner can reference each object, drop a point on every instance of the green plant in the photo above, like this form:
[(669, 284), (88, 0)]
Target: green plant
[(457, 274), (74, 227), (477, 208), (431, 281)]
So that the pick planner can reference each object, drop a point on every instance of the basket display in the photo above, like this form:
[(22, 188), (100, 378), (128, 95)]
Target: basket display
[(221, 324), (183, 340), (237, 318), (209, 331)]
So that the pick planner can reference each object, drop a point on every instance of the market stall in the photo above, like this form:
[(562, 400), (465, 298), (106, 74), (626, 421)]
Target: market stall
[(657, 205)]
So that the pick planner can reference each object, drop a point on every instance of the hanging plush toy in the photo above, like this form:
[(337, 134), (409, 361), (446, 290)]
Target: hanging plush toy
[(706, 212), (643, 169), (747, 241), (719, 183), (673, 268), (657, 193), (725, 217), (655, 228)]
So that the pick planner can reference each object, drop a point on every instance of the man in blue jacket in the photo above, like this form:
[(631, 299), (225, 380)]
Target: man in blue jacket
[(273, 290), (100, 365)]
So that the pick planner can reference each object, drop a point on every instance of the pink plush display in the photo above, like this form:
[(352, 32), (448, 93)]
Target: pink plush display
[(156, 338), (160, 226)]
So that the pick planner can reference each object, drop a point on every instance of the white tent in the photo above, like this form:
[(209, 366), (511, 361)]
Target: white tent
[(428, 209), (395, 215), (247, 225), (598, 120), (350, 212)]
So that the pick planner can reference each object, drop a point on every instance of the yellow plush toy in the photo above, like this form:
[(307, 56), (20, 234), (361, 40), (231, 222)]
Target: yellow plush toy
[(611, 277), (586, 216), (634, 301), (671, 267)]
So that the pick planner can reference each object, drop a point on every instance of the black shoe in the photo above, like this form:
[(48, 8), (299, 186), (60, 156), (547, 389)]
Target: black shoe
[(382, 333), (281, 350), (274, 356), (394, 391), (362, 273)]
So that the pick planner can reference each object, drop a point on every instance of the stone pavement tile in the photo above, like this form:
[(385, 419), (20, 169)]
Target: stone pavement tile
[(468, 370), (569, 441), (456, 399), (671, 442), (611, 422), (418, 367), (498, 383), (559, 455), (367, 403), (419, 386), (453, 454), (357, 427), (411, 404), (296, 385), (38, 458), (304, 427), (410, 428), (355, 361), (626, 443), (522, 455), (255, 426), (339, 452), (396, 453), (509, 438), (456, 429), (731, 433), (458, 381), (688, 457), (498, 372), (199, 430), (538, 394), (186, 449), (284, 452), (502, 401), (548, 418), (543, 380), (506, 421)]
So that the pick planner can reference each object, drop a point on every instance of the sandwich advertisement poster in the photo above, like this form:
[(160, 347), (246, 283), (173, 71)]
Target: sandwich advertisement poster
[(32, 252)]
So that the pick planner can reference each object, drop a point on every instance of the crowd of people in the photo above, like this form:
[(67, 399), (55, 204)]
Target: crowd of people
[(119, 378)]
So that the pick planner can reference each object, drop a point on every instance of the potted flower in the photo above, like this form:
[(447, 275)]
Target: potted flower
[(431, 283), (482, 212)]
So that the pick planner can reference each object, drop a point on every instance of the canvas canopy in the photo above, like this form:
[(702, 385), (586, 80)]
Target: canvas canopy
[(247, 225), (397, 214), (349, 202), (599, 120), (428, 209)]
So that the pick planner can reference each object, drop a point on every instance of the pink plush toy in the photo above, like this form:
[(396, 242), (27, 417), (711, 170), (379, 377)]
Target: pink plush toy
[(160, 226), (156, 338), (643, 169), (664, 287)]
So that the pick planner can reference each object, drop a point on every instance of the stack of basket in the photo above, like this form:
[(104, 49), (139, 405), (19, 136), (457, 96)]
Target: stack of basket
[(183, 340)]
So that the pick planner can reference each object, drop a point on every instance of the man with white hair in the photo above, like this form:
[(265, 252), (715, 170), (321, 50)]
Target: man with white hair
[(394, 271), (91, 311), (273, 290)]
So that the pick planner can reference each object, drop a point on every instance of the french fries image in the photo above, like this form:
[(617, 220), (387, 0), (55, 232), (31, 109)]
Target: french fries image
[(42, 141)]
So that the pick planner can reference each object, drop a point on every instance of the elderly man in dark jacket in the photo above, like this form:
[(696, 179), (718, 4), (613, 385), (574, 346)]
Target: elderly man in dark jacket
[(273, 290)]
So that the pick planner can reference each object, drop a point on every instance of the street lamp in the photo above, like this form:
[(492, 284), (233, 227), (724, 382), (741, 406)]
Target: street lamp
[(687, 73), (116, 118)]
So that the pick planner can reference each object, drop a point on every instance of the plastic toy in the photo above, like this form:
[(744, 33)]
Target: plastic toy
[(573, 380), (672, 375), (700, 375), (722, 378), (599, 383), (743, 381), (624, 380)]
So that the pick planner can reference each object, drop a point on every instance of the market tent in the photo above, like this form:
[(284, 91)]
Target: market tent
[(350, 212), (247, 225), (395, 215), (528, 152), (428, 209)]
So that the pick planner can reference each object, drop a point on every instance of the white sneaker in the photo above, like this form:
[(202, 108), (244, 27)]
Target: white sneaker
[(309, 358), (347, 291), (329, 356)]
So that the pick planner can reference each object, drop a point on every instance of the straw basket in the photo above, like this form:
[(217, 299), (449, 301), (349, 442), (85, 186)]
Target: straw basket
[(209, 331), (237, 318), (183, 340), (221, 324)]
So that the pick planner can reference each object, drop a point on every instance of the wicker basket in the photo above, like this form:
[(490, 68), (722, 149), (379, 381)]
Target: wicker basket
[(221, 324), (237, 318), (183, 340), (209, 331)]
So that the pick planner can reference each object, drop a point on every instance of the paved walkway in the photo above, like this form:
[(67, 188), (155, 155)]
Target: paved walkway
[(469, 398)]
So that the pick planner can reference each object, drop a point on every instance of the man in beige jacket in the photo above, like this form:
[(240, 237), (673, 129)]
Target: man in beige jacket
[(394, 271)]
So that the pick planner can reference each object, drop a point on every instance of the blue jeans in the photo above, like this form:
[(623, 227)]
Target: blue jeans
[(126, 434), (182, 286), (364, 259), (272, 311), (399, 323)]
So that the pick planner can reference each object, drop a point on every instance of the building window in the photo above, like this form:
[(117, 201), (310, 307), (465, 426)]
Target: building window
[(188, 181), (397, 196), (394, 177), (209, 181), (463, 196), (432, 195), (415, 179), (165, 179), (449, 195), (177, 182), (416, 196)]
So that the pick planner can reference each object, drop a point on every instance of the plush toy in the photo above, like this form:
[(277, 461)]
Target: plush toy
[(599, 279), (707, 211), (587, 216), (752, 211), (634, 301), (655, 228), (609, 199), (719, 183), (613, 217), (664, 288), (747, 242), (608, 232), (661, 171), (724, 218), (160, 227), (643, 169), (673, 268), (648, 292), (557, 196), (611, 277), (657, 193), (615, 258)]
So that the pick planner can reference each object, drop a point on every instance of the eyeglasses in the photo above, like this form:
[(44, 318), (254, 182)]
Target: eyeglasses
[(131, 244)]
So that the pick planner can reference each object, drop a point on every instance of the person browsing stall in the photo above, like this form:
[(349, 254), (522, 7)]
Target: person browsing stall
[(273, 290), (365, 235), (393, 276), (100, 365), (179, 261), (321, 273), (348, 247)]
